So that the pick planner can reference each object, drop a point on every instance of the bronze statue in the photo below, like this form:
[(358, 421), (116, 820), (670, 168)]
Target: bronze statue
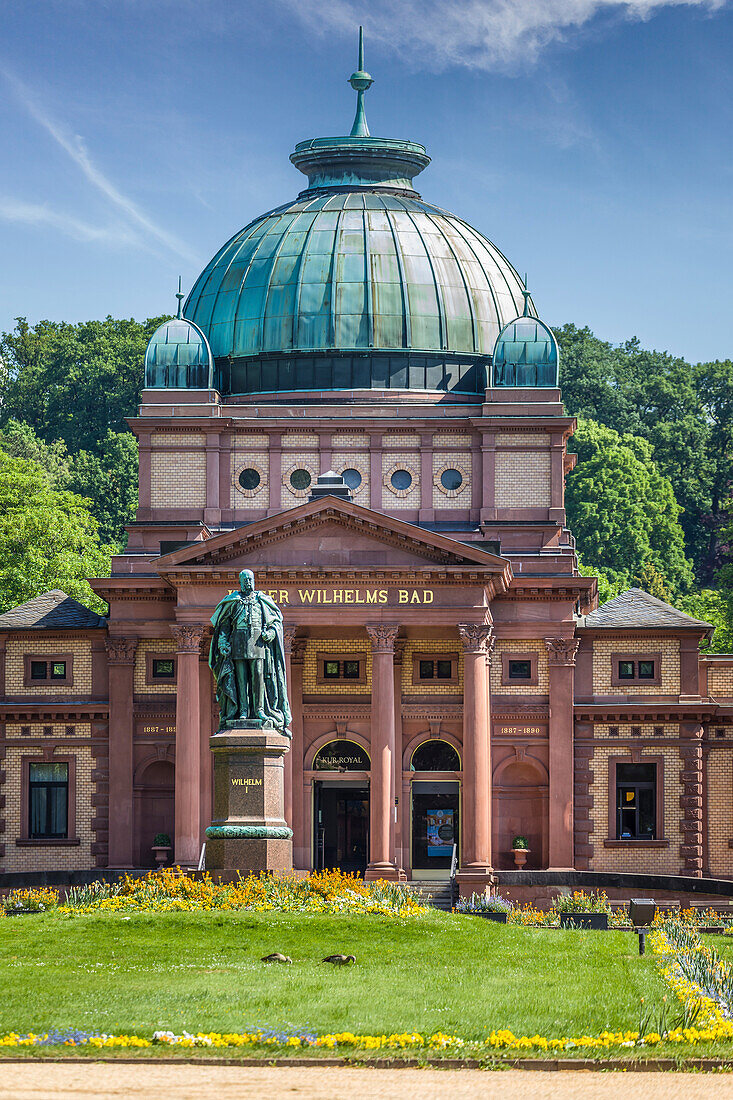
[(247, 658)]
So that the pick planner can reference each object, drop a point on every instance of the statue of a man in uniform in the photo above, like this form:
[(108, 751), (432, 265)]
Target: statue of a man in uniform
[(247, 658)]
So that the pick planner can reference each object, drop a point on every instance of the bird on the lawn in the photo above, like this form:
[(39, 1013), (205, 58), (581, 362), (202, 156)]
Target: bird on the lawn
[(276, 957), (340, 960)]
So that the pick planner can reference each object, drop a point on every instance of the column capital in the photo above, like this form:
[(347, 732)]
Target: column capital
[(188, 637), (477, 638), (562, 651), (294, 647), (120, 651), (382, 637)]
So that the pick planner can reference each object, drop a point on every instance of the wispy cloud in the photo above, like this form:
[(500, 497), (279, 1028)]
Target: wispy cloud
[(27, 213), (74, 146), (476, 34)]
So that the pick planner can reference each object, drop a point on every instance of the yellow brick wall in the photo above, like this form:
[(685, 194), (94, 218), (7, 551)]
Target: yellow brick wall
[(397, 442), (45, 646), (51, 858), (518, 439), (300, 440), (460, 498), (289, 497), (151, 645), (542, 686), (391, 500), (244, 460), (452, 439), (178, 479), (720, 680), (258, 440), (668, 647), (652, 860), (522, 479), (345, 440), (430, 687), (185, 439), (333, 645), (360, 462), (720, 809)]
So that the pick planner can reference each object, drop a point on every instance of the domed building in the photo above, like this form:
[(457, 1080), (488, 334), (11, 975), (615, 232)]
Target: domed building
[(359, 402)]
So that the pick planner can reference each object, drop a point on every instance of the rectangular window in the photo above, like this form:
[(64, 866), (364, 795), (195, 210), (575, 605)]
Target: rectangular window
[(520, 670), (629, 668), (636, 801), (626, 670), (342, 670), (331, 670), (443, 670), (48, 801), (442, 667), (646, 670), (351, 670), (427, 670), (39, 670), (164, 668), (58, 670)]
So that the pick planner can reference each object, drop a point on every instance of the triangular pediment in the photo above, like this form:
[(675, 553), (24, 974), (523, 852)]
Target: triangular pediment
[(330, 534)]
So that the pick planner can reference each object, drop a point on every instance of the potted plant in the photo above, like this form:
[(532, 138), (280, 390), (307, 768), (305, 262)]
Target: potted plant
[(162, 848), (490, 906), (520, 848), (581, 910)]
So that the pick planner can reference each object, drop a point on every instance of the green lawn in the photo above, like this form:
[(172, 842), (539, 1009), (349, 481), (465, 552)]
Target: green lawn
[(201, 971)]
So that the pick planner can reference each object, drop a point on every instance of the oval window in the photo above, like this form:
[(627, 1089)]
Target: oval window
[(249, 479), (352, 478), (435, 756), (401, 479), (300, 479), (451, 479), (341, 756)]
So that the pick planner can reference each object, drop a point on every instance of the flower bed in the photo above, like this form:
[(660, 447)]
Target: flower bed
[(168, 890)]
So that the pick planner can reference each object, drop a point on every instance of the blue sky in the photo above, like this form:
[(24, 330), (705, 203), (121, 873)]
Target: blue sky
[(591, 140)]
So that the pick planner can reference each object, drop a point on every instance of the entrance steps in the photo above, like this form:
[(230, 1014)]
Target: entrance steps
[(434, 893)]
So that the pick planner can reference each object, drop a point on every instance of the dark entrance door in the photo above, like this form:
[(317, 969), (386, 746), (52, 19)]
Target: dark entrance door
[(342, 827), (434, 824)]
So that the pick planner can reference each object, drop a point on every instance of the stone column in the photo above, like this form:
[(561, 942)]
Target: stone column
[(121, 657), (301, 839), (561, 659), (399, 820), (188, 736), (206, 728), (478, 642), (381, 854), (691, 799)]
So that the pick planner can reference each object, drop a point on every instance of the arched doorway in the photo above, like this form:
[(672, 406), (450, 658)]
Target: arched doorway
[(520, 809), (154, 807), (435, 795), (341, 806)]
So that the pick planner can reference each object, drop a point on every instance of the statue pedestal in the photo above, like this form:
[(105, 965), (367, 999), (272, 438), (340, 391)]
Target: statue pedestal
[(249, 831)]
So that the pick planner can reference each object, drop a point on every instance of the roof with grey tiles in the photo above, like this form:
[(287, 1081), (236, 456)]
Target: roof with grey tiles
[(637, 610), (51, 611)]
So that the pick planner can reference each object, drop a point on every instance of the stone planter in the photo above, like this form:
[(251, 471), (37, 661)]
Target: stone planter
[(24, 912), (520, 857), (162, 854), (584, 920), (500, 918)]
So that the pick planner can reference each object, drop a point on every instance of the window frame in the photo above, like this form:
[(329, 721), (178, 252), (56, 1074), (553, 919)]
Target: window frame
[(48, 659), (323, 681), (635, 658), (449, 655), (150, 678), (529, 681), (635, 757), (25, 840)]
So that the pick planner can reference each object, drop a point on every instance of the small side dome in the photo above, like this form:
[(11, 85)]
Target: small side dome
[(179, 357), (526, 354)]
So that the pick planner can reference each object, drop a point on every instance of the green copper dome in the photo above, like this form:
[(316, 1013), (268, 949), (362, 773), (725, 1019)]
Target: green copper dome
[(178, 357), (358, 283)]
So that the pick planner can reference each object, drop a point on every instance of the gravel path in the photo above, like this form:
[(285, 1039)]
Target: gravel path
[(41, 1081)]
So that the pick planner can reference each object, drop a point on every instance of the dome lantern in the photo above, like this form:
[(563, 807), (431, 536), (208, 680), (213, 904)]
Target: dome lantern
[(178, 355), (526, 352)]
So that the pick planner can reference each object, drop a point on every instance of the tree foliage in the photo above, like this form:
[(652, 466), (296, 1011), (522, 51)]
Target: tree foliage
[(623, 512), (48, 537)]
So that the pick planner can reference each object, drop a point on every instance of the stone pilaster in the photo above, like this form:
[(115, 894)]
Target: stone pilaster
[(121, 658), (188, 638), (561, 654), (691, 799), (382, 857), (478, 644)]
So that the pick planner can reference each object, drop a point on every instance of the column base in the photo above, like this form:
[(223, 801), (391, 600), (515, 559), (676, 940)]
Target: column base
[(474, 880), (386, 871)]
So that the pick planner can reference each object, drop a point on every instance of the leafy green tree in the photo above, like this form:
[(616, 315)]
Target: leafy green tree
[(109, 481), (18, 440), (716, 607), (48, 538), (73, 382), (622, 511)]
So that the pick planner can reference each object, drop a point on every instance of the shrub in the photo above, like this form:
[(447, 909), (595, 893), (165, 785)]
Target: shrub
[(519, 842), (162, 840)]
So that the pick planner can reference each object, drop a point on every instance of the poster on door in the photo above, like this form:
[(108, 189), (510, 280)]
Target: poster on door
[(441, 833)]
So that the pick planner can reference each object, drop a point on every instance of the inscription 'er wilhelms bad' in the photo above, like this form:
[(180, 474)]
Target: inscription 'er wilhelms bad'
[(247, 658)]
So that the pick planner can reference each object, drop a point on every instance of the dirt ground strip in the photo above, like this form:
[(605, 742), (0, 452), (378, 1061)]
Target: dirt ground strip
[(34, 1080)]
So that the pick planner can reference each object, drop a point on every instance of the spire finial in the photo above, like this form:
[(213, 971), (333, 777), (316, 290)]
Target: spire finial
[(361, 82), (526, 294), (180, 296)]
